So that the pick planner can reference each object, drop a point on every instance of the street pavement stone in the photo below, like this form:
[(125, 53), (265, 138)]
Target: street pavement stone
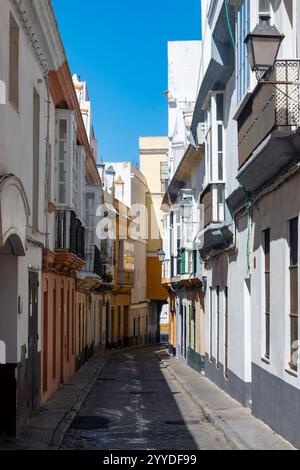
[(240, 427), (136, 404), (142, 398)]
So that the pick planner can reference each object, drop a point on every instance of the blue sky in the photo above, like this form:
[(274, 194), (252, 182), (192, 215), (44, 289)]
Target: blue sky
[(120, 48)]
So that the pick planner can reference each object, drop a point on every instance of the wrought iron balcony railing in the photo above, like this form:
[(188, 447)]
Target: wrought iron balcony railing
[(94, 263), (271, 107), (70, 233), (125, 277)]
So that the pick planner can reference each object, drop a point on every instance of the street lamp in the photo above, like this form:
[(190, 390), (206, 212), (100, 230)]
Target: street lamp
[(263, 45), (186, 208), (161, 255)]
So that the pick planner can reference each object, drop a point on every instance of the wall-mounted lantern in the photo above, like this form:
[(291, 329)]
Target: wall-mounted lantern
[(263, 45), (161, 255)]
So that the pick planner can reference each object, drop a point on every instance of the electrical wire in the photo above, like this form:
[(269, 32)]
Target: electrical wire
[(229, 26)]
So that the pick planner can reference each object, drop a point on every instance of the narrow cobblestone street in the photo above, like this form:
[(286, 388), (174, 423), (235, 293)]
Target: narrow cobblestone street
[(137, 404)]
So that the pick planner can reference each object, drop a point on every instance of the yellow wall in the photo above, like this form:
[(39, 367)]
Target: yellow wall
[(154, 151), (118, 303), (155, 289), (150, 162)]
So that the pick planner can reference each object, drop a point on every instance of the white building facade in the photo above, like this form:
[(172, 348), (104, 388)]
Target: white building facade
[(47, 324), (249, 242), (27, 133), (182, 269)]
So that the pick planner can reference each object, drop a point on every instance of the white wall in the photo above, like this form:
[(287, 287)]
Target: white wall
[(16, 155), (274, 211), (245, 299), (183, 72)]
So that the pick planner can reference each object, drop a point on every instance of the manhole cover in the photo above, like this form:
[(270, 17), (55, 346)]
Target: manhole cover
[(181, 422), (90, 422)]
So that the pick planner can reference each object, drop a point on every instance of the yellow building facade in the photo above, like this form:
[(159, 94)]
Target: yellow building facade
[(154, 167)]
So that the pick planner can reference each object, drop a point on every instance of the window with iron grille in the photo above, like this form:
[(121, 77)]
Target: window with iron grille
[(293, 239), (267, 285)]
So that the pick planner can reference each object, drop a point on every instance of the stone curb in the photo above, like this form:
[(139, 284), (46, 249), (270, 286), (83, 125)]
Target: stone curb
[(67, 420), (231, 437)]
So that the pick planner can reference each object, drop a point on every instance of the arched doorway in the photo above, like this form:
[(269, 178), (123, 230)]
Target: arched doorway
[(9, 336), (14, 213)]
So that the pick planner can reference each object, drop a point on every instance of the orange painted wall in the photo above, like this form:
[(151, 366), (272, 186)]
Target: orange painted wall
[(81, 323), (58, 332), (155, 290)]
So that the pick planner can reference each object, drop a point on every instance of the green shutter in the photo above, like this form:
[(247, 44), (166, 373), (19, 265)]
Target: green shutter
[(183, 262)]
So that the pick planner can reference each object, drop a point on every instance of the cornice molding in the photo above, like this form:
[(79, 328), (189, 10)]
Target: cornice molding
[(154, 151), (38, 21)]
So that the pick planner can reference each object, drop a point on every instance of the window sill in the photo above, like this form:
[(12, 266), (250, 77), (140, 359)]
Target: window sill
[(266, 360), (291, 372)]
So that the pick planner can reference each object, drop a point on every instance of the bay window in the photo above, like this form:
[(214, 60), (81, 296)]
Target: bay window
[(242, 59), (175, 242), (214, 139), (69, 164), (90, 217)]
